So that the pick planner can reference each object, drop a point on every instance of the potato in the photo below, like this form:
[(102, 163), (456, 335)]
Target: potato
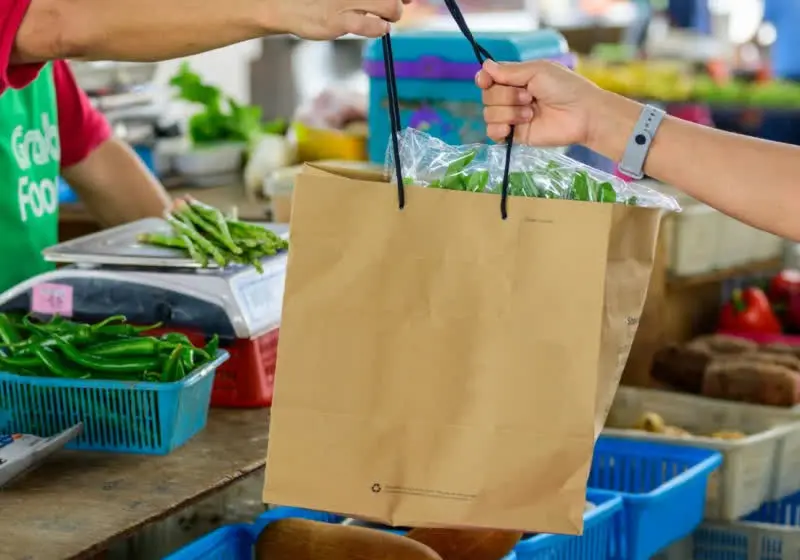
[(722, 344), (752, 382)]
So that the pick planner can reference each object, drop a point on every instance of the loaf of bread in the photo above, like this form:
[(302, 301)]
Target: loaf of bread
[(722, 344)]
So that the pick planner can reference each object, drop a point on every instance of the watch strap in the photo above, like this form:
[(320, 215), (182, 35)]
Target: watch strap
[(635, 155)]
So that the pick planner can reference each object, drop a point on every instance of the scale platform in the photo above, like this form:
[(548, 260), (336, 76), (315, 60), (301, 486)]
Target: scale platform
[(119, 246), (111, 273)]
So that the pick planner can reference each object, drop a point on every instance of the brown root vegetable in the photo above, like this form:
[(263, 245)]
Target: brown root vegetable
[(300, 539), (762, 357), (681, 367), (467, 544), (722, 344), (753, 382)]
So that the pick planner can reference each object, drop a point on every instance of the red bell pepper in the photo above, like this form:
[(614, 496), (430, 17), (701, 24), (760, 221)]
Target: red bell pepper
[(784, 286), (749, 311)]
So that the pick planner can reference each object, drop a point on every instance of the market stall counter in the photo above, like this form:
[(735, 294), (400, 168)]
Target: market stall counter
[(79, 503)]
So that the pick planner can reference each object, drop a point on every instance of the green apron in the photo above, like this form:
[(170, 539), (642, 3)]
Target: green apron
[(29, 167)]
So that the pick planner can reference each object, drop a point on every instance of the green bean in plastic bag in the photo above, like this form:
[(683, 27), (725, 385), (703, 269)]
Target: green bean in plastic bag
[(428, 162)]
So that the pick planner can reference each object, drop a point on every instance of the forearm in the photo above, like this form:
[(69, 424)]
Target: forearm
[(115, 186), (750, 179), (141, 30)]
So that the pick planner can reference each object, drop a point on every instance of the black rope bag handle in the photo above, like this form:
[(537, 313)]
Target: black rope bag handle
[(482, 55)]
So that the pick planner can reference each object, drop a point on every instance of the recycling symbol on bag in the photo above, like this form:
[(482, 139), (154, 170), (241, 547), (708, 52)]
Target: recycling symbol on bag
[(376, 488)]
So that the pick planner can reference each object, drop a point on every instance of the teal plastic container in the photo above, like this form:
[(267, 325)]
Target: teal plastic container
[(120, 416), (435, 73)]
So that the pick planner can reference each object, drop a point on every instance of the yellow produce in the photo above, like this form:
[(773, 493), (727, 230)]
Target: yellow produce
[(653, 423)]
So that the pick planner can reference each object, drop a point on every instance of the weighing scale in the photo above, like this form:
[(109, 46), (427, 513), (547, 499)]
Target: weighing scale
[(110, 272)]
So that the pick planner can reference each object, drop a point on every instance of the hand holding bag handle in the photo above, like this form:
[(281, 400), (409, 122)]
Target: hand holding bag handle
[(394, 107)]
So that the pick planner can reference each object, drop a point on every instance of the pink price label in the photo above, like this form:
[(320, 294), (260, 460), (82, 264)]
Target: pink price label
[(52, 299)]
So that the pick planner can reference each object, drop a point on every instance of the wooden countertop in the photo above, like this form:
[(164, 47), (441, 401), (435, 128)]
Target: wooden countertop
[(77, 502)]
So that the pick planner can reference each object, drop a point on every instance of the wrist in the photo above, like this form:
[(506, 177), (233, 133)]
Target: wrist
[(611, 119)]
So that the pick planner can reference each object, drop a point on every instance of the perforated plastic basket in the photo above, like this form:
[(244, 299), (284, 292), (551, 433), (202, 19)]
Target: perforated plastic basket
[(663, 489), (596, 543), (236, 542), (771, 533), (121, 416), (763, 466)]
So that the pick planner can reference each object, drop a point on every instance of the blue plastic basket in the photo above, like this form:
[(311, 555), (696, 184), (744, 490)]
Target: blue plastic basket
[(121, 416), (663, 489), (236, 542), (599, 527), (770, 533)]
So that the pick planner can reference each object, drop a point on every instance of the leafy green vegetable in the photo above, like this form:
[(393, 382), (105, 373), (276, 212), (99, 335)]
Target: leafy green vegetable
[(222, 118), (552, 181)]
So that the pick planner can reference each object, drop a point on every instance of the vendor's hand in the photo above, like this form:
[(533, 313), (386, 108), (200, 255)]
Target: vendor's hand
[(549, 104), (330, 19)]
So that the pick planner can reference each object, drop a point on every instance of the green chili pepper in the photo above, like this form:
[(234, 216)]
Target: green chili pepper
[(176, 338), (8, 330), (152, 376), (139, 346), (122, 365), (170, 371), (126, 330), (108, 321), (51, 360), (20, 362), (212, 346)]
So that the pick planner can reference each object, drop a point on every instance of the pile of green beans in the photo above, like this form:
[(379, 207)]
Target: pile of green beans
[(206, 235), (112, 349)]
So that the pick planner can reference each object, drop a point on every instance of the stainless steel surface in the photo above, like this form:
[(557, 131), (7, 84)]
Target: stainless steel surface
[(119, 246)]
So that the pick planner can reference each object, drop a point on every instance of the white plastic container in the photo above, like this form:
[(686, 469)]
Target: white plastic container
[(693, 239), (735, 246), (763, 466)]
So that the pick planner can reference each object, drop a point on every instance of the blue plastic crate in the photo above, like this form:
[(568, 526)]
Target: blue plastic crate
[(121, 416), (770, 533), (597, 542), (435, 73), (236, 541), (663, 489)]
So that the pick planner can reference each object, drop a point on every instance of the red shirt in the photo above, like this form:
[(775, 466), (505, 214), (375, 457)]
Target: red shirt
[(81, 127)]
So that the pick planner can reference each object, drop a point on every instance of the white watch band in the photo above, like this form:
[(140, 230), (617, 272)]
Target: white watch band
[(632, 163)]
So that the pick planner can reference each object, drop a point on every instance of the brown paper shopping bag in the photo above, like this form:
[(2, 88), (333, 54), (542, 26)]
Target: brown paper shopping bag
[(441, 366)]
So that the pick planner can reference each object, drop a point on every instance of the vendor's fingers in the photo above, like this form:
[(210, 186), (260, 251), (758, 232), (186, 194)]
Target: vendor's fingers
[(390, 10), (505, 114), (498, 132), (365, 25), (483, 80), (511, 73), (506, 95)]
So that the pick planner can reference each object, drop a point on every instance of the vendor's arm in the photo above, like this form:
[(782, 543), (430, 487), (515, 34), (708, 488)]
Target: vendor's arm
[(105, 173), (33, 31), (753, 180)]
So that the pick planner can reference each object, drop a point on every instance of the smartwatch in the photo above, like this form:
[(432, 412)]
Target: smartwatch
[(635, 155)]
